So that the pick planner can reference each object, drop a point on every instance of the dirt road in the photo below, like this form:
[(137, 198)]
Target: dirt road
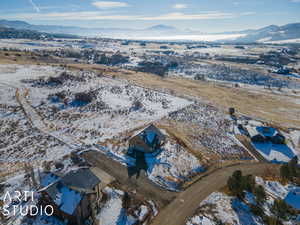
[(143, 185), (186, 203), (175, 208)]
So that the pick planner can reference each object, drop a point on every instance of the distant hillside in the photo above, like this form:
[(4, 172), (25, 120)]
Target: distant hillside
[(273, 33), (7, 33), (161, 27), (21, 25), (265, 34), (105, 32)]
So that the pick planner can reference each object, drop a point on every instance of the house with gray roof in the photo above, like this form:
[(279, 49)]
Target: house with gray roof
[(147, 140), (76, 196)]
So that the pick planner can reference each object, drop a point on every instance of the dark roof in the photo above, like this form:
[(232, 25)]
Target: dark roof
[(65, 198), (68, 191), (82, 178), (149, 131)]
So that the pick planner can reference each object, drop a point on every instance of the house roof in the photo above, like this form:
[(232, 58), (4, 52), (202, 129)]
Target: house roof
[(293, 198), (252, 131), (67, 192), (149, 132), (64, 197), (48, 178), (266, 131), (148, 139), (82, 178)]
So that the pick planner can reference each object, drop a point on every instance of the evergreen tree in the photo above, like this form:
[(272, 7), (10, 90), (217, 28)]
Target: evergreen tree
[(260, 195), (248, 183), (285, 172), (280, 208), (235, 184)]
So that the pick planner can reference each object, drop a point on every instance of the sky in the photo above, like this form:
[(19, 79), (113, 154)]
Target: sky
[(201, 15)]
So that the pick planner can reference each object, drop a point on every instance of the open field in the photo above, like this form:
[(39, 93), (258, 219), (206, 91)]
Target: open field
[(271, 106), (53, 107)]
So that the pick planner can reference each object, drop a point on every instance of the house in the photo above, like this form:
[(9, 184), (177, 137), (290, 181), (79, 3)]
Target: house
[(293, 198), (255, 135), (148, 140), (264, 134), (76, 196)]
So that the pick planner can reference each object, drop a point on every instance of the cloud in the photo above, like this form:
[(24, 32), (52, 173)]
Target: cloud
[(37, 9), (182, 16), (295, 1), (83, 15), (108, 4), (104, 15), (248, 13), (179, 6)]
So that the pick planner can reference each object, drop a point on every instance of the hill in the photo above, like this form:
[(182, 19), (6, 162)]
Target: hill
[(273, 33), (8, 33)]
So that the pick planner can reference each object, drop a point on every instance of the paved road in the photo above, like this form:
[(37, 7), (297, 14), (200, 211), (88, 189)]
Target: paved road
[(186, 203)]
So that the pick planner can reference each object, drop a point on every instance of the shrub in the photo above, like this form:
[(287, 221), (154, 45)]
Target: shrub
[(260, 194), (290, 171), (234, 184), (281, 209), (238, 183), (153, 67), (257, 210), (271, 220)]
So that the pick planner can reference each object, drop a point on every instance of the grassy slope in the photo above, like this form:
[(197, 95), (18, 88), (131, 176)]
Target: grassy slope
[(269, 106)]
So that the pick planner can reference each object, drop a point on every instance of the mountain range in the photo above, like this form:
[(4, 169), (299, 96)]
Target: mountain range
[(265, 34), (273, 33)]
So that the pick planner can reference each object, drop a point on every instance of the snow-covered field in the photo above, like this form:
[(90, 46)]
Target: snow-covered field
[(219, 207), (233, 74), (116, 107), (210, 130), (204, 37), (19, 142), (113, 212), (164, 168), (167, 171)]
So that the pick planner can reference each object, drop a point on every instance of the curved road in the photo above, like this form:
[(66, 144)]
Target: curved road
[(175, 208), (187, 202)]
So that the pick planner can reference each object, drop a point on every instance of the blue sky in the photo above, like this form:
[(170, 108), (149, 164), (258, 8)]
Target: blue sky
[(202, 15)]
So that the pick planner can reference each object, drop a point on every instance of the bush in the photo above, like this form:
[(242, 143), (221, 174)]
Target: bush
[(200, 77), (59, 165), (271, 220), (234, 184), (238, 183), (248, 183), (290, 171), (84, 97), (257, 210), (153, 67), (281, 209), (126, 203), (112, 60), (260, 195)]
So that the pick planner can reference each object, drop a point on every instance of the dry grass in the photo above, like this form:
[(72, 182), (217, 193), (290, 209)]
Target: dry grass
[(277, 109), (8, 169), (181, 136)]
